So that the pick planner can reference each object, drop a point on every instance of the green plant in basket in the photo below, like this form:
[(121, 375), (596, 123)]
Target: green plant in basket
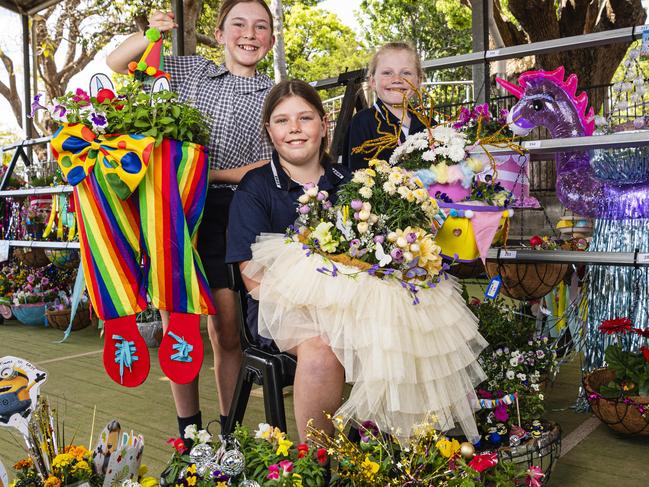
[(631, 367), (130, 110)]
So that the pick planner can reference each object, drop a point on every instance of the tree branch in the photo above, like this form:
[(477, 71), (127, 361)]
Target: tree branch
[(510, 34), (206, 40)]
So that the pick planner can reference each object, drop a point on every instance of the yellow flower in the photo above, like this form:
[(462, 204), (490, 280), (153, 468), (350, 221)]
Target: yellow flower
[(52, 482), (448, 448), (81, 467), (62, 460), (192, 468), (370, 172), (328, 244), (369, 467), (221, 484), (283, 446), (149, 482), (297, 480), (190, 480), (441, 171)]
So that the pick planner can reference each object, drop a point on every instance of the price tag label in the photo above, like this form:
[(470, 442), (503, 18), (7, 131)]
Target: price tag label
[(494, 287), (532, 144), (493, 53), (643, 258), (4, 250), (644, 47), (507, 254)]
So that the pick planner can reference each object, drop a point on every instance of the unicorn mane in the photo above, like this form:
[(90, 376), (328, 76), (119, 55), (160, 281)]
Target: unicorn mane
[(569, 86)]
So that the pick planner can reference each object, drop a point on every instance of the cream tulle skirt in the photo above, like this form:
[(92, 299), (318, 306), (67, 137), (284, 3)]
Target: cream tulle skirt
[(409, 364)]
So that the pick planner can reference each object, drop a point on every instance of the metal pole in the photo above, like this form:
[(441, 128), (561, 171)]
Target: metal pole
[(27, 122), (178, 36), (480, 32)]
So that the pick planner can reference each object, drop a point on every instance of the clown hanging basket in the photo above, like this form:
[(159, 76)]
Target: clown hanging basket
[(526, 281), (626, 415), (540, 452)]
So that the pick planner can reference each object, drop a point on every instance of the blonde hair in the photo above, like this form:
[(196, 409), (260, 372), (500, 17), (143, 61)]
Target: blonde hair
[(396, 46)]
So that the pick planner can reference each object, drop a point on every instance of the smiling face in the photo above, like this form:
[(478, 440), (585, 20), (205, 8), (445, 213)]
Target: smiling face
[(247, 36), (297, 131), (396, 71)]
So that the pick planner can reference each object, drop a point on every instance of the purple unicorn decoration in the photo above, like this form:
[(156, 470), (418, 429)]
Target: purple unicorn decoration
[(546, 100), (619, 203)]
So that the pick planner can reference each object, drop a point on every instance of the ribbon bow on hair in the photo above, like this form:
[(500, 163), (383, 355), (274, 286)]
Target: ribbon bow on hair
[(123, 159)]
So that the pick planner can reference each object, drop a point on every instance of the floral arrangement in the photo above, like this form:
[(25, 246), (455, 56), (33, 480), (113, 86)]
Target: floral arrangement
[(491, 193), (129, 110), (382, 224), (517, 365), (268, 458), (38, 288), (631, 367), (549, 243), (428, 458), (73, 464)]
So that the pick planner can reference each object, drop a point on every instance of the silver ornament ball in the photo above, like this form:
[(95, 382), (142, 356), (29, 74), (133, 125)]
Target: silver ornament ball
[(232, 463)]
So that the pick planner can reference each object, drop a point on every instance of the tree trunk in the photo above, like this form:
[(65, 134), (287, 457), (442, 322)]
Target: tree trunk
[(540, 21), (192, 12), (279, 52)]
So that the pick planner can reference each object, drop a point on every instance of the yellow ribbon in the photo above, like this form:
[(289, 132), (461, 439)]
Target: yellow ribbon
[(122, 158)]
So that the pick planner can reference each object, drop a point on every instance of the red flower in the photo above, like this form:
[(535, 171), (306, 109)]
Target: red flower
[(321, 455), (536, 241), (641, 332), (645, 353), (105, 94), (480, 463), (178, 444), (616, 325), (302, 450)]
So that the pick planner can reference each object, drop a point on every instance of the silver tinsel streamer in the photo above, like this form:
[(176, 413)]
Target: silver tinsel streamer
[(615, 291)]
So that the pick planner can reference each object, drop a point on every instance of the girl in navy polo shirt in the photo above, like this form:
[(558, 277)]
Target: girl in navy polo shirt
[(266, 201), (394, 69)]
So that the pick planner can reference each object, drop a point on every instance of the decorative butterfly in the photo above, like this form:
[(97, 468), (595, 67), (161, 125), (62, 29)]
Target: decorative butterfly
[(414, 271), (383, 258), (344, 225)]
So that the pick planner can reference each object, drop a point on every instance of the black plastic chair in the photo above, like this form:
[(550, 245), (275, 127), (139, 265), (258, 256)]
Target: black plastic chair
[(272, 370)]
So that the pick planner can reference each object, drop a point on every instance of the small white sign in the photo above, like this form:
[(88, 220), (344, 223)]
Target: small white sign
[(507, 254), (493, 53), (4, 250), (532, 144), (643, 258)]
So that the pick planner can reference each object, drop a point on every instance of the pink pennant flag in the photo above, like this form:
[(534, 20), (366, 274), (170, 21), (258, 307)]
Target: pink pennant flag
[(485, 225)]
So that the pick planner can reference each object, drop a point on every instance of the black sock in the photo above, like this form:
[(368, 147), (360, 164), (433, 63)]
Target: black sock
[(184, 422)]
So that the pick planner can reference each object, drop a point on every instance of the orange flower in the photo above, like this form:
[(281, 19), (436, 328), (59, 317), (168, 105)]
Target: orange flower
[(52, 482), (23, 464)]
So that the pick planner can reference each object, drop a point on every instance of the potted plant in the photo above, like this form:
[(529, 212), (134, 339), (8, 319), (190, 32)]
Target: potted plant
[(619, 393)]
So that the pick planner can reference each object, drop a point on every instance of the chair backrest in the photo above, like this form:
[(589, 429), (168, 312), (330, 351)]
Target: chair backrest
[(235, 282)]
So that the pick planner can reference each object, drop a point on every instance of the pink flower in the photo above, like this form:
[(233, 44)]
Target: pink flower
[(273, 472), (501, 414), (287, 466), (81, 97), (480, 463), (534, 476)]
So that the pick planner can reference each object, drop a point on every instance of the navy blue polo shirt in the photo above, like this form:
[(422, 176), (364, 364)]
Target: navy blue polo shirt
[(364, 126), (266, 202)]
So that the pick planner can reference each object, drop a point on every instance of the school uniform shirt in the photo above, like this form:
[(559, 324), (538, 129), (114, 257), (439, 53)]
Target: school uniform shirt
[(365, 126), (266, 201), (233, 103)]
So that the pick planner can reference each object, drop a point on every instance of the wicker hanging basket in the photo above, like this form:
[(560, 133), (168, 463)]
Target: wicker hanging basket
[(467, 270), (529, 280), (32, 257), (623, 417), (61, 319)]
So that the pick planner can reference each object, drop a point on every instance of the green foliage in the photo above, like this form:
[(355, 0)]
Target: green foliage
[(318, 45), (501, 324), (631, 373), (437, 28)]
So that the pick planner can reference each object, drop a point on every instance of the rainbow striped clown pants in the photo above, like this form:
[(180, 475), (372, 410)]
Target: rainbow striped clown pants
[(144, 243)]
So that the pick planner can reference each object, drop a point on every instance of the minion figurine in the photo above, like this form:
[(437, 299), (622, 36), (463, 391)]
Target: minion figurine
[(14, 392)]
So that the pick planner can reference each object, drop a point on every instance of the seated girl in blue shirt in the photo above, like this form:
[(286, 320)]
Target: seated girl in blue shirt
[(394, 70), (266, 201)]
